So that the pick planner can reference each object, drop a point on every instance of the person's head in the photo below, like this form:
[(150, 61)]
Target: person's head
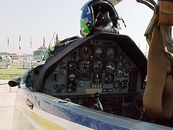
[(97, 14)]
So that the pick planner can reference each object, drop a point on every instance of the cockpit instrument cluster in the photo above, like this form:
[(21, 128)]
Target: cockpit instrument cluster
[(104, 72), (99, 66)]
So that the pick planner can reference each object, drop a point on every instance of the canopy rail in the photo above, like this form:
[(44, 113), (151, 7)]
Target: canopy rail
[(150, 3)]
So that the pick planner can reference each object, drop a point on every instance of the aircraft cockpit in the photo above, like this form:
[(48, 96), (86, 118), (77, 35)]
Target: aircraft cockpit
[(104, 72), (88, 81)]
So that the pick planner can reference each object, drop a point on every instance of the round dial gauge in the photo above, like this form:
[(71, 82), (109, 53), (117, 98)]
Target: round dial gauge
[(72, 77), (85, 66), (72, 66), (109, 78), (110, 52), (120, 65), (119, 73), (85, 52), (97, 66), (124, 84), (97, 78), (126, 65), (98, 53), (110, 67), (117, 84)]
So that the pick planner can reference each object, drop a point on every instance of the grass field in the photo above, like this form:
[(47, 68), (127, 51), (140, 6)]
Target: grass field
[(16, 70)]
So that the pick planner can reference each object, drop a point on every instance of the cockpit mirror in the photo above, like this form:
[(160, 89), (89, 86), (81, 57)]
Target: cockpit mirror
[(14, 82)]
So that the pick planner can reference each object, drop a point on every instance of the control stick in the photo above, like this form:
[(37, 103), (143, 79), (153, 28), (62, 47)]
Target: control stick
[(98, 103)]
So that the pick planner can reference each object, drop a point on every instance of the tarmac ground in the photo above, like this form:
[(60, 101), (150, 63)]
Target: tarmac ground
[(7, 102)]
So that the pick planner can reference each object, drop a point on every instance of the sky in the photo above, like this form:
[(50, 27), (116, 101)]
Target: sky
[(35, 19)]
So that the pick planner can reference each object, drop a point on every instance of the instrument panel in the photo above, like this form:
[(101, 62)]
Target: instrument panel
[(103, 72), (99, 66)]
